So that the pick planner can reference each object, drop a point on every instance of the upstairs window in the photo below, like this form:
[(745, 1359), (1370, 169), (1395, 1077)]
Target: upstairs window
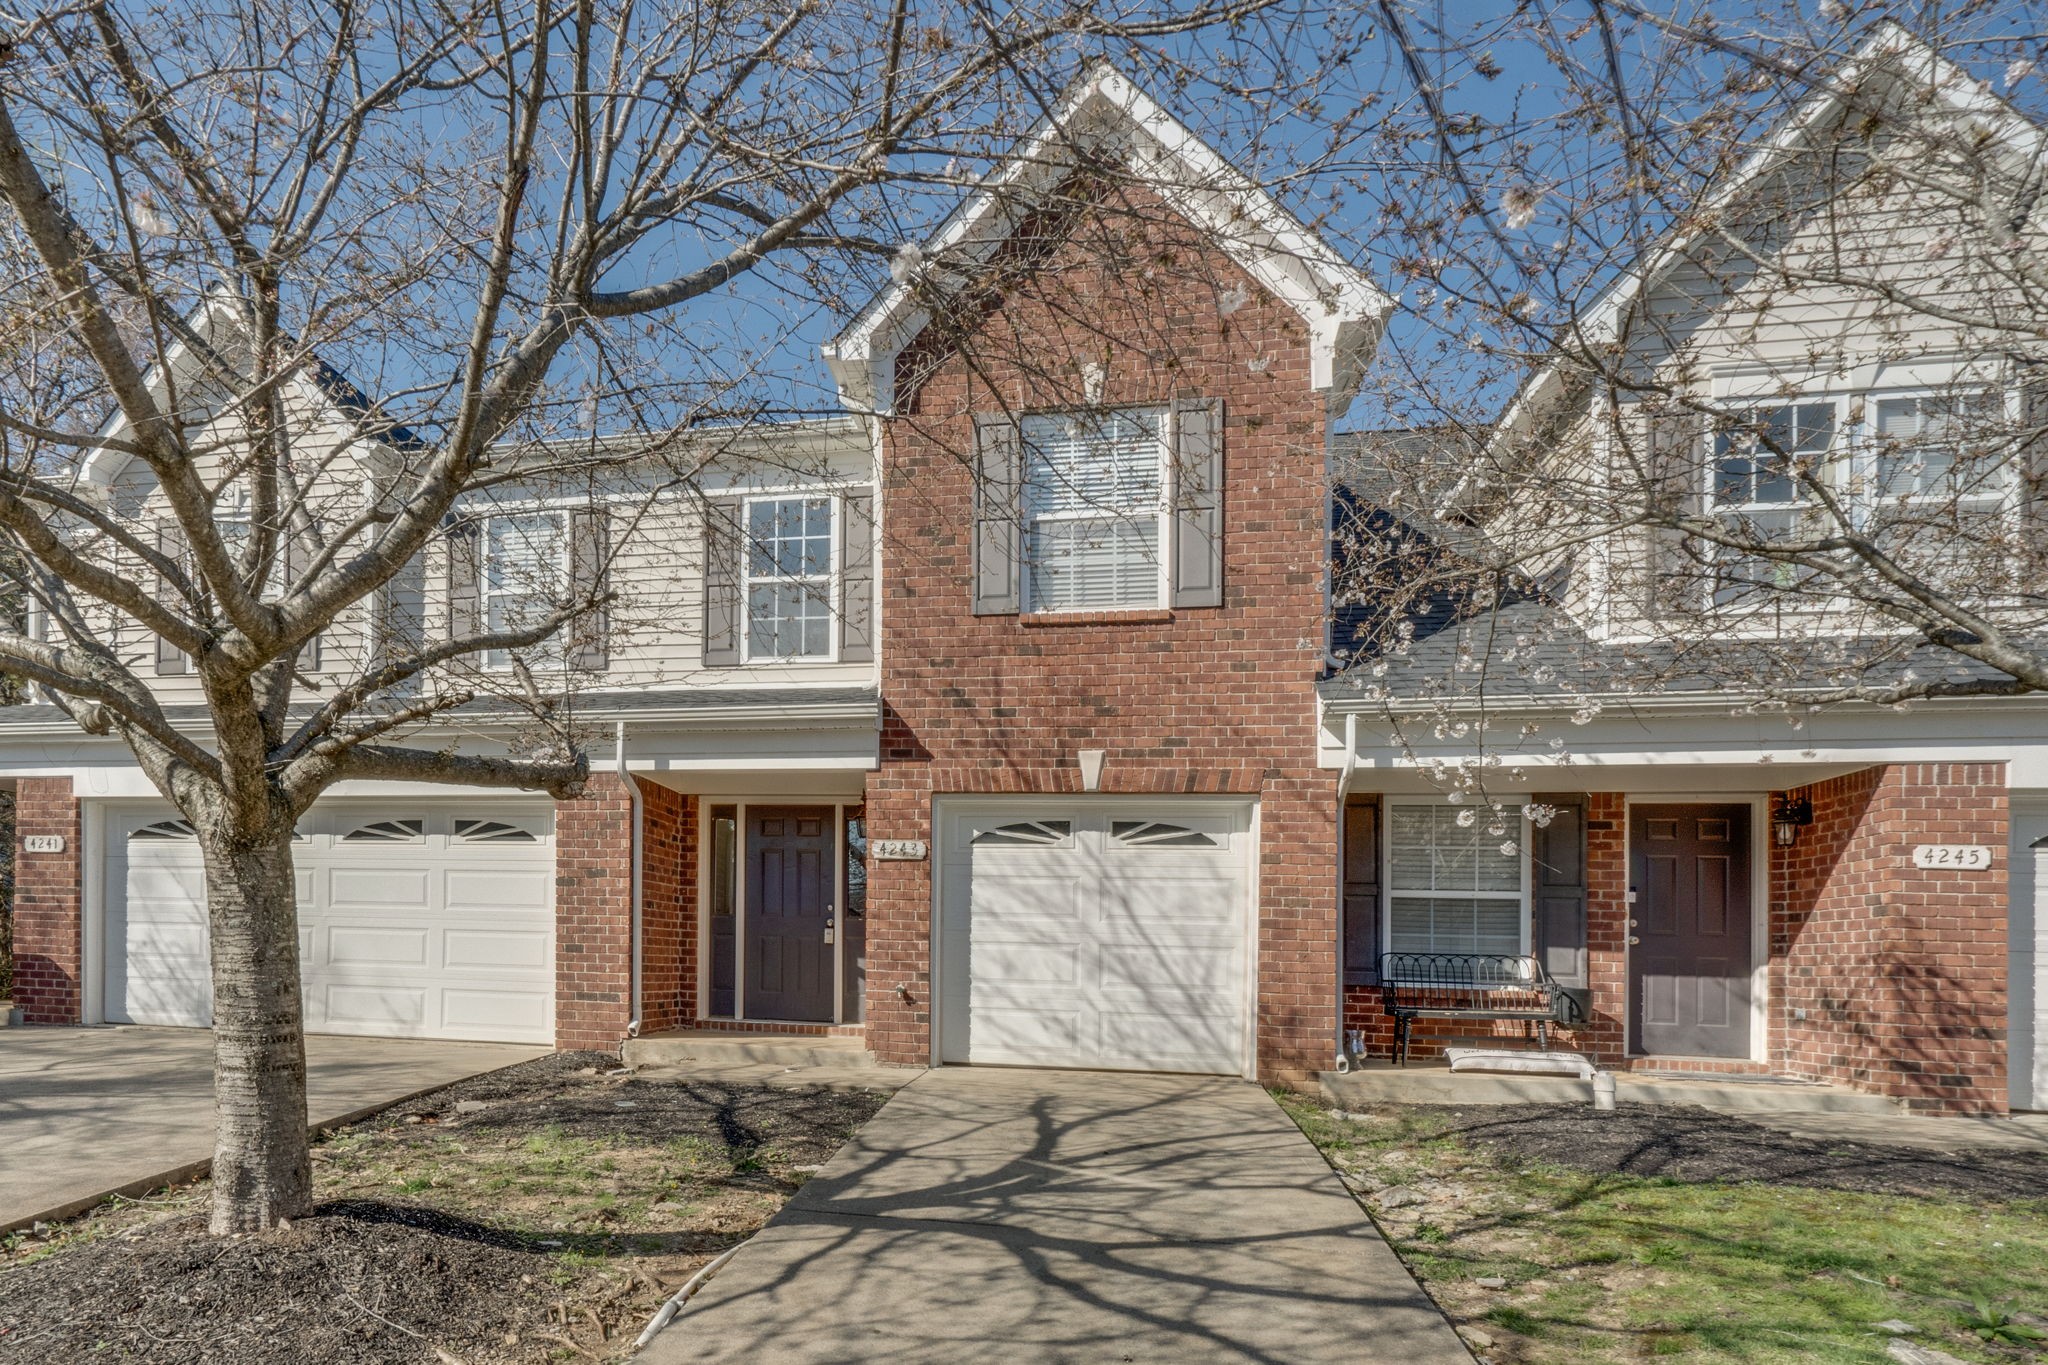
[(1943, 449), (788, 569), (1093, 509), (525, 574), (1755, 488)]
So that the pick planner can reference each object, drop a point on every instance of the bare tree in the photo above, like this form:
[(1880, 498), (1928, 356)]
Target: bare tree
[(1722, 358), (514, 228)]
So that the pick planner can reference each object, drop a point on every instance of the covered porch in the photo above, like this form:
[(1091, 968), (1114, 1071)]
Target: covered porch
[(1707, 904)]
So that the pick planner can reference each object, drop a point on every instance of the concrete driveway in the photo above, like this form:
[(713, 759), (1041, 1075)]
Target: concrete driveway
[(88, 1112), (1039, 1216)]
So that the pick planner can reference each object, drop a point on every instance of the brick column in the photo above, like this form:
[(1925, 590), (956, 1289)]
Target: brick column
[(1300, 935), (668, 910), (594, 913), (1885, 976), (1607, 926), (48, 967)]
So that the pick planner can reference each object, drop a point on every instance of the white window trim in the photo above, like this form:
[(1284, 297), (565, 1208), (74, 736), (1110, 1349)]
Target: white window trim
[(1517, 829), (1169, 494), (832, 576), (484, 593)]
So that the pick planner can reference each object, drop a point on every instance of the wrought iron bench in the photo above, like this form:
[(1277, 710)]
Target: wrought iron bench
[(1471, 986)]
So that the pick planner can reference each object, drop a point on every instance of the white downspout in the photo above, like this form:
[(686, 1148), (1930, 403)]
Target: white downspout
[(633, 798), (1350, 755)]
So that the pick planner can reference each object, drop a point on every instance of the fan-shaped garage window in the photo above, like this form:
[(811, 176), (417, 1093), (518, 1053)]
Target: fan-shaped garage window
[(164, 831), (491, 832), (386, 832), (1147, 833), (1027, 832)]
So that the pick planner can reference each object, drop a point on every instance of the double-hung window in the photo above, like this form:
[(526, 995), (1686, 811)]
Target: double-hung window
[(525, 575), (788, 568), (1755, 488), (1457, 880), (1094, 507), (1941, 450)]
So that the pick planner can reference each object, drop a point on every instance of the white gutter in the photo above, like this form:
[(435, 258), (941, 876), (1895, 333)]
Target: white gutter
[(633, 798)]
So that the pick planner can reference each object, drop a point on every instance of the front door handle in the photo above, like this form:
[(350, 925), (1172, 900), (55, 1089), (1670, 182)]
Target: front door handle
[(1631, 938), (828, 928)]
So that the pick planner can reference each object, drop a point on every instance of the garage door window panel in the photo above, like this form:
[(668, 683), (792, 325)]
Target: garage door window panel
[(1457, 881)]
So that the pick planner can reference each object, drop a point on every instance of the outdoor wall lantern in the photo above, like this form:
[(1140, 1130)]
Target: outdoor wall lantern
[(1788, 813)]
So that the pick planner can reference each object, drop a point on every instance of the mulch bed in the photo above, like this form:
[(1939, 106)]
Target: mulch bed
[(1697, 1145), (393, 1282)]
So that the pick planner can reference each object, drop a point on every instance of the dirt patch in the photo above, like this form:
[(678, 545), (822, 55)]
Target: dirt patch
[(1699, 1145), (538, 1213)]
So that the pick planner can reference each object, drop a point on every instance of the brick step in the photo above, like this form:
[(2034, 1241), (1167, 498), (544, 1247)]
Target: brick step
[(726, 1047)]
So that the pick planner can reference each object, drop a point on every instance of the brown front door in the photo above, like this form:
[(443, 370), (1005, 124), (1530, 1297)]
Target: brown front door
[(790, 876), (1689, 930)]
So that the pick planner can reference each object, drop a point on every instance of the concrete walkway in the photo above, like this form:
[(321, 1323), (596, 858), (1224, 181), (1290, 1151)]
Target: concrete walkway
[(88, 1112), (1039, 1216)]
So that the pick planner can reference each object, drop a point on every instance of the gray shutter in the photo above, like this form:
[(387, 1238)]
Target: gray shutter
[(1558, 854), (170, 543), (857, 578), (998, 563), (1675, 466), (2033, 444), (589, 569), (1361, 891), (722, 582), (298, 555), (465, 577), (1198, 503)]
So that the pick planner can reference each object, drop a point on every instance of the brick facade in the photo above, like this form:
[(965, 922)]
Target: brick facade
[(48, 966), (1899, 972), (594, 913), (1880, 975), (1129, 298)]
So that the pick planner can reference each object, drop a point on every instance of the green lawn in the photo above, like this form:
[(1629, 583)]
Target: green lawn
[(1604, 1267)]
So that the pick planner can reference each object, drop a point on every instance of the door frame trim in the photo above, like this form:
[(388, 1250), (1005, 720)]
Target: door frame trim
[(1759, 910), (944, 804), (839, 806)]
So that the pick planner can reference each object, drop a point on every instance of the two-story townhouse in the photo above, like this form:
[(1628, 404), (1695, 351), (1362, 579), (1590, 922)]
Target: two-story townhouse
[(981, 721), (1841, 893)]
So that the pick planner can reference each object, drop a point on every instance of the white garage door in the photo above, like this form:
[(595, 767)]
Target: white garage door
[(2028, 989), (1096, 934), (414, 922)]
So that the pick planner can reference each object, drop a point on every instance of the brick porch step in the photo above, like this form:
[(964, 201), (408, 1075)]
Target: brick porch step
[(727, 1047)]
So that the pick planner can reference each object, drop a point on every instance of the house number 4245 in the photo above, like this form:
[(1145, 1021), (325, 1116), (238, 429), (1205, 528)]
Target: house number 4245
[(1954, 857)]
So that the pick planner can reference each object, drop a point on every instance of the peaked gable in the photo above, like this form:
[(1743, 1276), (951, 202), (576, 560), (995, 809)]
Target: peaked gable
[(1892, 58), (1107, 118)]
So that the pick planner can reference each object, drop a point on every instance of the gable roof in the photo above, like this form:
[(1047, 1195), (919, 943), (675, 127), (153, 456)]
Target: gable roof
[(201, 341), (1891, 53), (1106, 116)]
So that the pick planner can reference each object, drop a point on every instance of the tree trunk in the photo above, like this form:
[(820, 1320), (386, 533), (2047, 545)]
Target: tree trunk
[(262, 1167)]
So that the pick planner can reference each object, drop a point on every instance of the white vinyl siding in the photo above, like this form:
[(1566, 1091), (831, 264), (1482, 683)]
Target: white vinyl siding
[(526, 573), (1094, 500), (1456, 880), (788, 569)]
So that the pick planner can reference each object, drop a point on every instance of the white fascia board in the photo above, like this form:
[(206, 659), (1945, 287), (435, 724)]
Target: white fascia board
[(1891, 44), (1344, 311)]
